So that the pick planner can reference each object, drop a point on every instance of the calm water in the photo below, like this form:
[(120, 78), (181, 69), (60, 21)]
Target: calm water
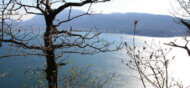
[(102, 62)]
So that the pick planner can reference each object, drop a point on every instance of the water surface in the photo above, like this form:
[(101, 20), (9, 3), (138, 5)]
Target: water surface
[(102, 62)]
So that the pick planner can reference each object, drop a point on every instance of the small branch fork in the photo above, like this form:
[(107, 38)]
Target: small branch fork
[(174, 44)]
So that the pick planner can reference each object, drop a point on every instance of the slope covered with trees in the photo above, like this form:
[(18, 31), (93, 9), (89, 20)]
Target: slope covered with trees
[(149, 24)]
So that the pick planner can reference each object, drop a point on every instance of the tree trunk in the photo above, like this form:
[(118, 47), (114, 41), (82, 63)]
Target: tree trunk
[(52, 69), (185, 23)]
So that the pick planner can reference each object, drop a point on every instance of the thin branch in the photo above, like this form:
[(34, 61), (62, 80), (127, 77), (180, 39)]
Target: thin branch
[(23, 45), (76, 4)]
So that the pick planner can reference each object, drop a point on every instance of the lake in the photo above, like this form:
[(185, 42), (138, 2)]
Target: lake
[(109, 62)]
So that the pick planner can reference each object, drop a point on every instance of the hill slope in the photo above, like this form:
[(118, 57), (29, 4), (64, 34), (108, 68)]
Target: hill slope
[(148, 24)]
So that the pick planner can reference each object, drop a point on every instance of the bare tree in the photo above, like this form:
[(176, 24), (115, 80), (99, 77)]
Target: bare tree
[(54, 42), (151, 62), (6, 8), (183, 11)]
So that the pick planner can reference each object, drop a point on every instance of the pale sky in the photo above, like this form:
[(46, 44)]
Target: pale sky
[(140, 6)]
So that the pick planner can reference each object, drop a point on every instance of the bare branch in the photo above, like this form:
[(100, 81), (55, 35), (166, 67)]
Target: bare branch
[(69, 16), (180, 46), (76, 4), (30, 6)]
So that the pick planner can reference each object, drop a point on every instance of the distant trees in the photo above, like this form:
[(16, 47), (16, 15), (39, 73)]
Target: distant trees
[(54, 42)]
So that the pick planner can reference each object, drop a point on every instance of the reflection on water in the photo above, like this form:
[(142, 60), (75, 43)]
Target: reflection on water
[(102, 62)]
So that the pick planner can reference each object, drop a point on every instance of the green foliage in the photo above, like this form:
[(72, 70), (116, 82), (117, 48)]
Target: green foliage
[(75, 77)]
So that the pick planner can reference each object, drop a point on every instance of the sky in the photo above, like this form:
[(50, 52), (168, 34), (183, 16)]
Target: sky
[(141, 6), (163, 7)]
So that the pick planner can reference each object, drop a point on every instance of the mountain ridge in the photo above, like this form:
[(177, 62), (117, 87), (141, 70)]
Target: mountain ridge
[(148, 24)]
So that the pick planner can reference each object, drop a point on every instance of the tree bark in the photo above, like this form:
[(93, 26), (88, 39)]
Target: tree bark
[(185, 23), (52, 69)]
